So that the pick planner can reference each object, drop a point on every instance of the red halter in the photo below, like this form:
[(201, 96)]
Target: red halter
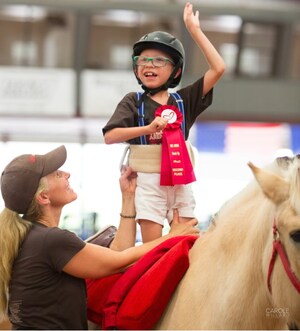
[(279, 249)]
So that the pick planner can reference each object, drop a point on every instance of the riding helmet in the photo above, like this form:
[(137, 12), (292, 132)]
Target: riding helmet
[(168, 44)]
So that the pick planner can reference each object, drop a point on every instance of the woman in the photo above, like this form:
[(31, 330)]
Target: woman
[(42, 267)]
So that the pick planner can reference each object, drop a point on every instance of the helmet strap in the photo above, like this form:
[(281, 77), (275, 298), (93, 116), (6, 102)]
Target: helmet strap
[(166, 85)]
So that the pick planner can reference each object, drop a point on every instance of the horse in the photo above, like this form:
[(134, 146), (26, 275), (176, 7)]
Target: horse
[(244, 272)]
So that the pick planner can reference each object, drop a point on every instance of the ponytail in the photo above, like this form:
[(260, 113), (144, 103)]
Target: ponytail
[(13, 230)]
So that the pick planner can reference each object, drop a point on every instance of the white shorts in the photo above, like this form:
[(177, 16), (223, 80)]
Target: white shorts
[(156, 203)]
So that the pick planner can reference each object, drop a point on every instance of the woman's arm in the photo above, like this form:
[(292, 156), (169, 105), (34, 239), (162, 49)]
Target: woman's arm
[(95, 261), (126, 234)]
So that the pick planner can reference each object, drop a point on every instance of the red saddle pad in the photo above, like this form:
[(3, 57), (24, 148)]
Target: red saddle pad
[(136, 299)]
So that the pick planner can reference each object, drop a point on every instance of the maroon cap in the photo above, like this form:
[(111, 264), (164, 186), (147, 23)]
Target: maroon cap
[(20, 178)]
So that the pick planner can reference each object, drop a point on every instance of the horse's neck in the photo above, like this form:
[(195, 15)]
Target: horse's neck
[(229, 260), (226, 283), (243, 229)]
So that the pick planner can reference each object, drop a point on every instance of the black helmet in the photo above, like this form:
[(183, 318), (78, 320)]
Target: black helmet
[(168, 44)]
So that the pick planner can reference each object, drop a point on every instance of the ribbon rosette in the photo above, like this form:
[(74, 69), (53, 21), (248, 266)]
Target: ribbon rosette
[(176, 166)]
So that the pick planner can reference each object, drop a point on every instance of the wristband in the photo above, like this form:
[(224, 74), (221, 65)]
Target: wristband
[(127, 216)]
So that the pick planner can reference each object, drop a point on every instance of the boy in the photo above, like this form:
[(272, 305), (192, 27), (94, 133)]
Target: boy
[(147, 123)]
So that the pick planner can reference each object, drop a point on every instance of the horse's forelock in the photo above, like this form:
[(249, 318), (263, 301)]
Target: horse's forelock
[(284, 161)]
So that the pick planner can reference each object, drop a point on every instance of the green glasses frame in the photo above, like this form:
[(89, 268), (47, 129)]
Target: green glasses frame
[(157, 61)]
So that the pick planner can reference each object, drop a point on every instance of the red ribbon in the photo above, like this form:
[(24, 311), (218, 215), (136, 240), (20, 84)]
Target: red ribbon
[(176, 166)]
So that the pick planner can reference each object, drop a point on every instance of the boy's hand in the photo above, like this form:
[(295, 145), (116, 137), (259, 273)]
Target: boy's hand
[(158, 124), (190, 19)]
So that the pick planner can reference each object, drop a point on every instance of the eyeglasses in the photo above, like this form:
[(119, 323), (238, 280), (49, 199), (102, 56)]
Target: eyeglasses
[(157, 61)]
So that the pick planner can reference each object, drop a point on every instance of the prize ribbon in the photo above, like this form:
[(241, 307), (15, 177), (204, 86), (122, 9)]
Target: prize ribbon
[(176, 166)]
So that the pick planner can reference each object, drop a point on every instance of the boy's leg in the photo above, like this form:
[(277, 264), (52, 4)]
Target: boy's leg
[(150, 230)]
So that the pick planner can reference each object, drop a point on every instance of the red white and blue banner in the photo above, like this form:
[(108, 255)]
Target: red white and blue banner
[(246, 137)]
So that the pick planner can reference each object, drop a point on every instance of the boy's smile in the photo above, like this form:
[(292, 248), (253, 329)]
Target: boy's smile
[(150, 75)]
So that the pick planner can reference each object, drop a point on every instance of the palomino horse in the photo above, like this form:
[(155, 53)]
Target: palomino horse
[(245, 271)]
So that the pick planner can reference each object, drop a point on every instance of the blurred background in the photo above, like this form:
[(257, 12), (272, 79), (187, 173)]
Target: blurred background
[(64, 66)]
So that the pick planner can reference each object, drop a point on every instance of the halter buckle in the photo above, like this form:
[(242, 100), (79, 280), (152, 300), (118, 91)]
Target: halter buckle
[(276, 235)]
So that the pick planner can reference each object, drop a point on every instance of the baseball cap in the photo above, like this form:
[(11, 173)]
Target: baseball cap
[(20, 178)]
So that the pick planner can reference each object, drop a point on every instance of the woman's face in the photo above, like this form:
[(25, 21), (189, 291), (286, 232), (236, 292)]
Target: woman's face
[(152, 76), (59, 191)]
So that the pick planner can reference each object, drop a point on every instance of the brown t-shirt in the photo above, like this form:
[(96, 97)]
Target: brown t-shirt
[(126, 113), (41, 295)]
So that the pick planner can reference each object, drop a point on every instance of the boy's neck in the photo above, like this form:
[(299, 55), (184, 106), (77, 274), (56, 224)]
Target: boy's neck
[(160, 97)]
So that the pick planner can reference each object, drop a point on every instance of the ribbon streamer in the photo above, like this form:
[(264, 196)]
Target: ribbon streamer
[(176, 166)]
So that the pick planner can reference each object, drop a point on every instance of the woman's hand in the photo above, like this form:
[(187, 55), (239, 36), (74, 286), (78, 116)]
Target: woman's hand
[(179, 228), (127, 180)]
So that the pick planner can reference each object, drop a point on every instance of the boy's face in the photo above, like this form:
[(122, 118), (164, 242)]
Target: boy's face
[(150, 75)]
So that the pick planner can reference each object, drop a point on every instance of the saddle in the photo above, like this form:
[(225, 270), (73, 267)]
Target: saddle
[(137, 298)]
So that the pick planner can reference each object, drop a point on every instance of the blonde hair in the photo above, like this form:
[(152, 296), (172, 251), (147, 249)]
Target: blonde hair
[(13, 230)]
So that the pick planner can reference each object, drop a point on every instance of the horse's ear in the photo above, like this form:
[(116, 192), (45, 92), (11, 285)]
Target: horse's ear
[(274, 187)]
